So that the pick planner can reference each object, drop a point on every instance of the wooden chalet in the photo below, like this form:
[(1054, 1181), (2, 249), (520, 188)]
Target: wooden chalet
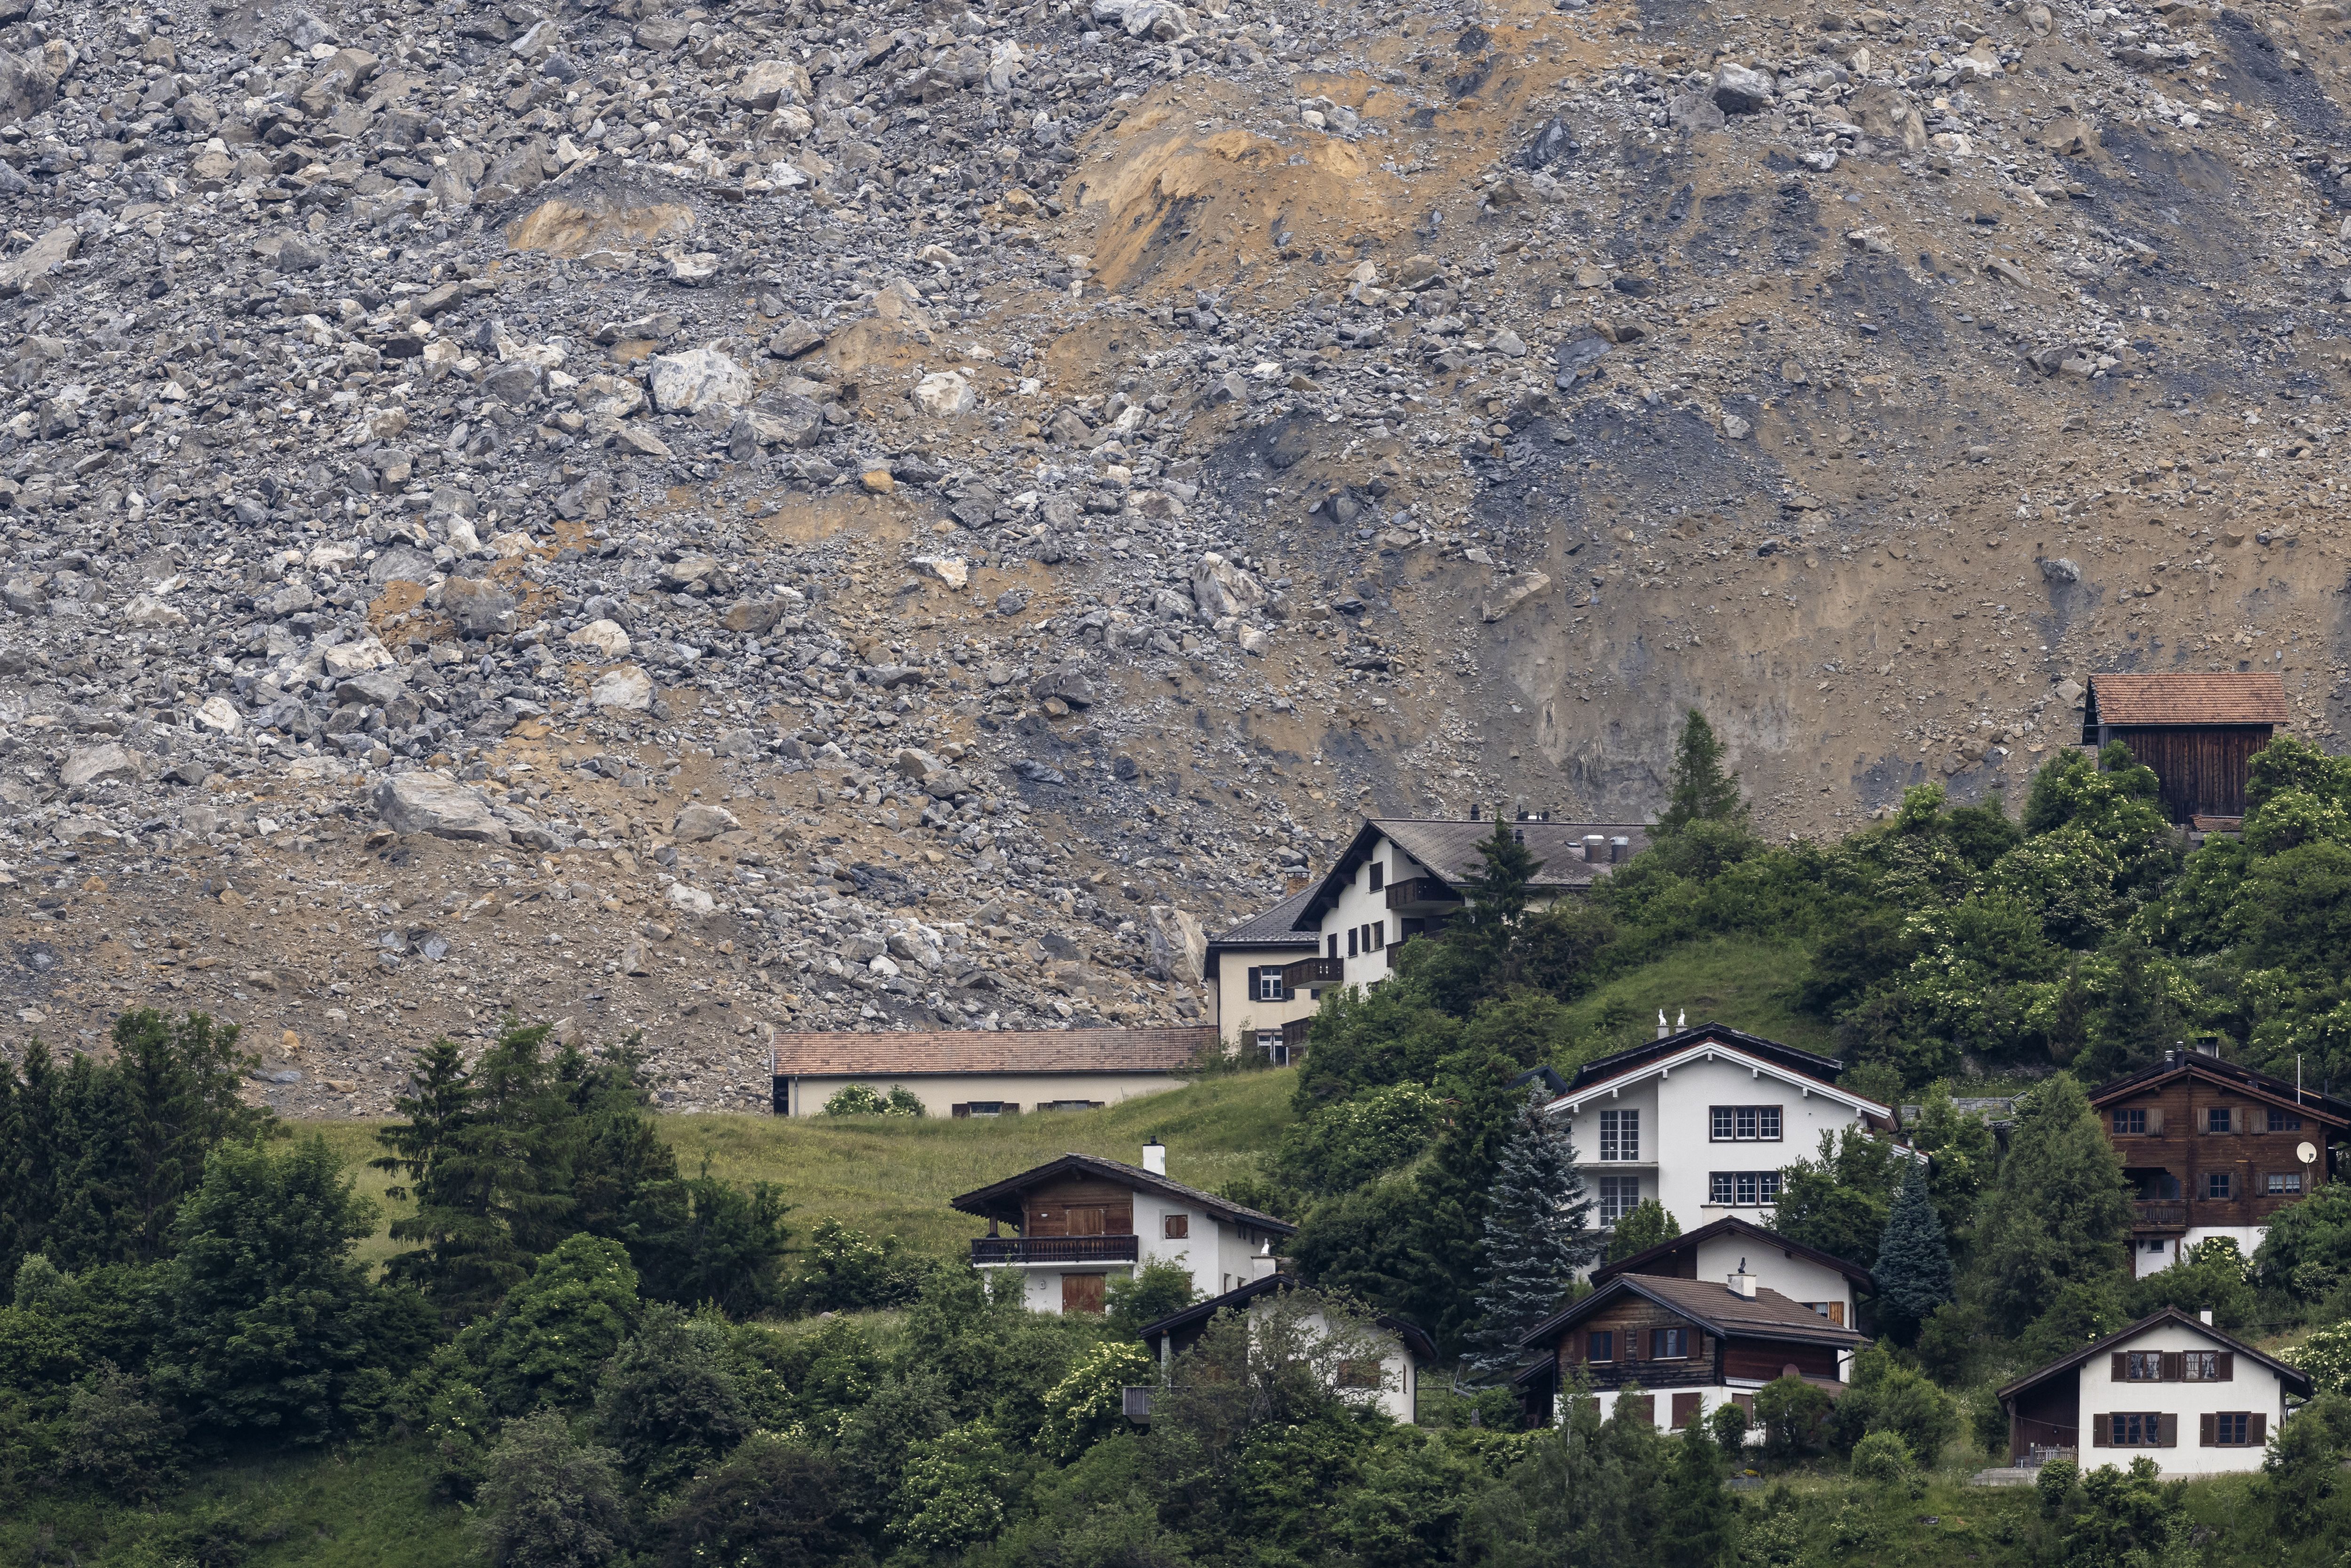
[(1683, 1346), (2197, 731), (1821, 1281), (2211, 1148)]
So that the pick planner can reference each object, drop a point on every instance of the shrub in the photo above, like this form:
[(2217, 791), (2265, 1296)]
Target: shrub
[(1089, 1404), (556, 1328), (772, 1503), (2326, 1356), (1884, 1457), (1791, 1412), (116, 1438), (845, 1270), (1887, 1396), (1161, 1288), (666, 1401), (864, 1099), (548, 1501)]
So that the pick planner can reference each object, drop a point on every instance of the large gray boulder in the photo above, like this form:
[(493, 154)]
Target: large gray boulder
[(434, 803)]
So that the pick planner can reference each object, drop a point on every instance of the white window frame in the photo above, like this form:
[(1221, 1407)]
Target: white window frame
[(1620, 1138)]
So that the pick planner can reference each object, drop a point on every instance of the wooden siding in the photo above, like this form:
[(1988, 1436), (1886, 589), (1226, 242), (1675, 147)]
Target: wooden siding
[(2185, 1151), (2202, 766), (2045, 1415), (1768, 1359), (1079, 1209)]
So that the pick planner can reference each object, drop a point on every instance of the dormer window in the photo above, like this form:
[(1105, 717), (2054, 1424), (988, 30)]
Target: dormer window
[(1378, 876)]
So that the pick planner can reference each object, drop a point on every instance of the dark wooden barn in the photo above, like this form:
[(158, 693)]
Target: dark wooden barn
[(2197, 731)]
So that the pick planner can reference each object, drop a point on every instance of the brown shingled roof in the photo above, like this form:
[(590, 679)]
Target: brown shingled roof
[(2185, 697), (912, 1053), (1710, 1304)]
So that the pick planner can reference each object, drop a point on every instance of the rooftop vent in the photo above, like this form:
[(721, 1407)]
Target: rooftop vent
[(1155, 1157)]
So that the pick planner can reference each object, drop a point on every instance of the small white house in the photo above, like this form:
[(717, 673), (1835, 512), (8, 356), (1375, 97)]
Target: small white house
[(1392, 1385), (2192, 1399), (1079, 1219), (1704, 1120)]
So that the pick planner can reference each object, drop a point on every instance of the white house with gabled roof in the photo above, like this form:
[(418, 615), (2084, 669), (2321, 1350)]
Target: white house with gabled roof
[(1704, 1120)]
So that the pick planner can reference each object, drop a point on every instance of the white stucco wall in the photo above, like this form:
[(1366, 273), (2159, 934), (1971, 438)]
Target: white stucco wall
[(2248, 1238), (1798, 1279), (1027, 1090), (1212, 1251), (2255, 1389), (1680, 1156), (1711, 1398), (1358, 905), (1238, 1012)]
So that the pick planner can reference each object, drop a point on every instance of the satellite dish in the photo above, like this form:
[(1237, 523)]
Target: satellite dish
[(2307, 1153)]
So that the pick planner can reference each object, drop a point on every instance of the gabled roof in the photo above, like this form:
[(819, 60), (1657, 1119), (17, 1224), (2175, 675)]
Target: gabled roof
[(1814, 1074), (1823, 1068), (2244, 1079), (1269, 928), (1642, 1263), (1714, 1307), (1002, 1200), (914, 1053), (2188, 697), (1449, 848), (1415, 1339), (2295, 1379)]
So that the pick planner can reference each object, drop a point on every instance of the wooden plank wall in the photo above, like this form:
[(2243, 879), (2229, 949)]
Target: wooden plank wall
[(2188, 1152), (2202, 766)]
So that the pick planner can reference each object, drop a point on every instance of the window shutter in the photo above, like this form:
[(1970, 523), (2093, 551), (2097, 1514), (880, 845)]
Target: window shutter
[(2155, 1118), (2257, 1428), (2175, 1366), (2169, 1437), (2204, 1430), (2118, 1373), (2098, 1431), (2228, 1373)]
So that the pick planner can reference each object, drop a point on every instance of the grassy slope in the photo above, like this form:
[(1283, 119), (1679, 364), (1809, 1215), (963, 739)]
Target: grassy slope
[(885, 1175), (367, 1509), (1741, 982)]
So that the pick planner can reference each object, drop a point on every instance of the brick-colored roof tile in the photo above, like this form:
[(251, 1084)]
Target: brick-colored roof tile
[(2186, 697)]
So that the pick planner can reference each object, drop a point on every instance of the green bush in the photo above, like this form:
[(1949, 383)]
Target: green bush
[(1793, 1415), (556, 1329), (1883, 1457), (774, 1503), (550, 1502), (1886, 1396), (115, 1439), (666, 1403), (845, 1270), (864, 1099)]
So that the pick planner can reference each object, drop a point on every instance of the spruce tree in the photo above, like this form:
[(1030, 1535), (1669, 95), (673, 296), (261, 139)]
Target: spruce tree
[(1698, 788), (2057, 1211), (1914, 1263), (1536, 1238), (1497, 893), (1696, 1529)]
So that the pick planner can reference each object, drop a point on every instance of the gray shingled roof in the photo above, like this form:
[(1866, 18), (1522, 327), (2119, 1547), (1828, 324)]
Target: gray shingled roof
[(1450, 849), (1271, 927)]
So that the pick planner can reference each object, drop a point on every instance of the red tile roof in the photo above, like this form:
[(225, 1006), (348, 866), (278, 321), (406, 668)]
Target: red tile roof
[(2191, 698), (908, 1053)]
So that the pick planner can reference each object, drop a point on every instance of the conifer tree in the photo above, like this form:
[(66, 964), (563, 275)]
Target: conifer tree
[(1537, 1237), (1698, 788), (1696, 1529), (1914, 1263)]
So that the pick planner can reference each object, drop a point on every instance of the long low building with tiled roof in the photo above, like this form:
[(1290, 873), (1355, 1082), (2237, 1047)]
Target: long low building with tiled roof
[(986, 1072)]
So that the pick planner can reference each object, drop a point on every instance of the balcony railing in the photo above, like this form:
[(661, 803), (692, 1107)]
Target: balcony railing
[(2168, 1212), (987, 1249), (1415, 892), (1308, 973)]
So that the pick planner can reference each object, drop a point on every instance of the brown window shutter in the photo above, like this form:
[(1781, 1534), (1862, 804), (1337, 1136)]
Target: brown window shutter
[(2098, 1431), (2204, 1430), (2155, 1118), (2118, 1373), (2175, 1366), (2169, 1436), (1836, 1313), (2228, 1372), (2257, 1429)]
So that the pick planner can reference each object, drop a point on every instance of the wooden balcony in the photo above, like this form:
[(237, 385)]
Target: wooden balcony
[(1653, 1376), (2160, 1214), (1309, 973), (997, 1250), (1421, 892)]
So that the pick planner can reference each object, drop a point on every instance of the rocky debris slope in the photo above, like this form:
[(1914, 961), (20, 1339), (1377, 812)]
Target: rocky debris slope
[(881, 514)]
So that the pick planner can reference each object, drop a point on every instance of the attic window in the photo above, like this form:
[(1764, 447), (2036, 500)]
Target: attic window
[(1379, 876)]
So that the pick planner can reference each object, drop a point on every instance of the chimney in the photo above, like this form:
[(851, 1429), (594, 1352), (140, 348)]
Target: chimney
[(1742, 1283), (1265, 1264), (1663, 1030), (1473, 812), (1155, 1157), (1619, 849), (2207, 1316), (1596, 847)]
